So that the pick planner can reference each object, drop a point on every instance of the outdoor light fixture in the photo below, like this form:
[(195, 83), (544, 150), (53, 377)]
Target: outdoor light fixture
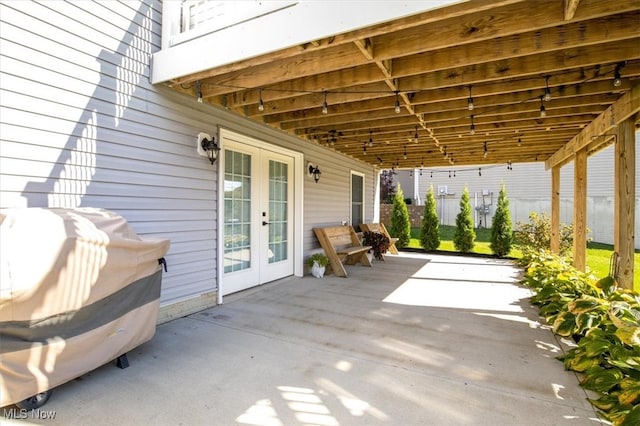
[(543, 110), (207, 146), (314, 171)]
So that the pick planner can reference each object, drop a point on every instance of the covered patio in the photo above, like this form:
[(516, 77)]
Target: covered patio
[(415, 339)]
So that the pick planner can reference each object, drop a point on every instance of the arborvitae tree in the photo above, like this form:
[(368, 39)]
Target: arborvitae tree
[(502, 229), (400, 223), (465, 235), (430, 231)]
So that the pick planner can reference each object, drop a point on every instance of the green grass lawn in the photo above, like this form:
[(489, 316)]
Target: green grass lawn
[(598, 255)]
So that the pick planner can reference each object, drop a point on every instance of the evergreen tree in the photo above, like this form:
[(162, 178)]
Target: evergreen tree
[(465, 235), (501, 228), (430, 231), (400, 223)]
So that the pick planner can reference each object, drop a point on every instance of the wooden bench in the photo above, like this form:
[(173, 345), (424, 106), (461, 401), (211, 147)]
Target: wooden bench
[(379, 227), (342, 247)]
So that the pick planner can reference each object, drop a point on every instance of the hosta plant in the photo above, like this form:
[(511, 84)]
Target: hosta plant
[(605, 323)]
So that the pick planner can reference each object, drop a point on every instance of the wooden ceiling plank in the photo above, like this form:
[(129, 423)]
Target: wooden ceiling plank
[(626, 106), (486, 25), (572, 35), (533, 65)]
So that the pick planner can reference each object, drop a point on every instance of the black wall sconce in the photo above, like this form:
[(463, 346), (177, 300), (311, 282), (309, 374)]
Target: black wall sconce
[(314, 171), (207, 147)]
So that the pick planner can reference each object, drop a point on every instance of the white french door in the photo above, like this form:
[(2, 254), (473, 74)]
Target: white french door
[(258, 219)]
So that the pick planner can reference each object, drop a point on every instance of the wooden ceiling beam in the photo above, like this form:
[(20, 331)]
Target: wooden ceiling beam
[(626, 106)]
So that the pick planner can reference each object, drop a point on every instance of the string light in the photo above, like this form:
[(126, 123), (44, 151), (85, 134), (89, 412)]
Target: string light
[(486, 153), (199, 91), (260, 102), (519, 141), (547, 92), (543, 110), (617, 80), (405, 152), (472, 129), (470, 101), (325, 107), (397, 103)]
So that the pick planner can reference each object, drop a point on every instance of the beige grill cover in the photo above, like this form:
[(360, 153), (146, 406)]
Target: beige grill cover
[(78, 288)]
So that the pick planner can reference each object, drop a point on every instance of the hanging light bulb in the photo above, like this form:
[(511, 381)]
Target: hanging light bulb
[(325, 107), (472, 129), (415, 136), (370, 138), (405, 152), (519, 141), (397, 104), (470, 101), (543, 110), (547, 92), (617, 80), (260, 103), (486, 153), (199, 91)]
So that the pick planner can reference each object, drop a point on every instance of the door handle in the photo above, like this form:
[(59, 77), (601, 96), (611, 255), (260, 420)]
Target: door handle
[(264, 223)]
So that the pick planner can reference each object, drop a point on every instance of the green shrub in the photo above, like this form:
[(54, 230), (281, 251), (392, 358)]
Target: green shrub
[(501, 228), (430, 231), (537, 234), (400, 224), (465, 235)]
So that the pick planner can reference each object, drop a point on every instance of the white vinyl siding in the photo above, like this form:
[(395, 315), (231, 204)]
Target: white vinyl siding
[(82, 126)]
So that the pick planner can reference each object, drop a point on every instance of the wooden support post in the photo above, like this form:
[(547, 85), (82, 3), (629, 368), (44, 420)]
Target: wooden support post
[(624, 205), (555, 209), (580, 210)]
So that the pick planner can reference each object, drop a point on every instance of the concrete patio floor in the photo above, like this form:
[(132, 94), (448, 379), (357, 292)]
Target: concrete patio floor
[(414, 340)]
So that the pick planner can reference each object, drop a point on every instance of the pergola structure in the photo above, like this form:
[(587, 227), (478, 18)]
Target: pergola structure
[(471, 83)]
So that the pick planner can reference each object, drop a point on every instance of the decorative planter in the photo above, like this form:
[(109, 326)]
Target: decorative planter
[(317, 270)]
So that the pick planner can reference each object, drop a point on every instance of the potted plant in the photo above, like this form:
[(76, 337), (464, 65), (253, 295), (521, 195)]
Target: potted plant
[(378, 241), (318, 263)]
